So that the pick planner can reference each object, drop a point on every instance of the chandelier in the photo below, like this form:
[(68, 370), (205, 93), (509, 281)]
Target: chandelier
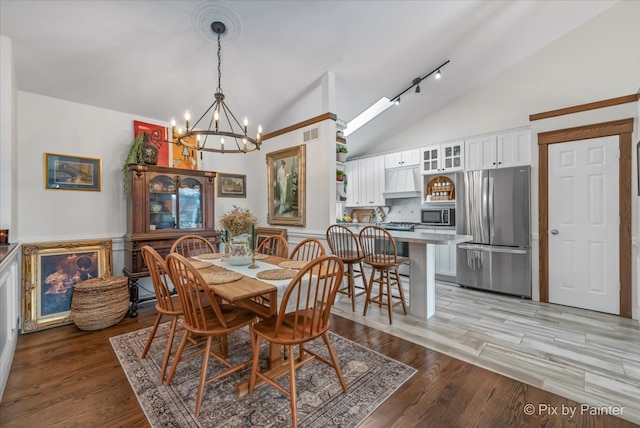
[(233, 137)]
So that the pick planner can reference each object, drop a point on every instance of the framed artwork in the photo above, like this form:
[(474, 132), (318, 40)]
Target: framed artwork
[(51, 271), (66, 172), (232, 185), (265, 232), (184, 157), (286, 186), (157, 136)]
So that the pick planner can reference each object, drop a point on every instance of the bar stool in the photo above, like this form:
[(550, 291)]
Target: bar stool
[(344, 244), (381, 254)]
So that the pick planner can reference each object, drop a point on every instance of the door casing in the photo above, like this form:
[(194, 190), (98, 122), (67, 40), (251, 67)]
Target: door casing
[(623, 129)]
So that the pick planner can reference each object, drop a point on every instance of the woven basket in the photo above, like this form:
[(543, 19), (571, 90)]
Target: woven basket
[(100, 302)]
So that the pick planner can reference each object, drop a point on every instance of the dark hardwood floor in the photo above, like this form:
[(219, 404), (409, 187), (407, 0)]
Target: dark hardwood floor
[(65, 377)]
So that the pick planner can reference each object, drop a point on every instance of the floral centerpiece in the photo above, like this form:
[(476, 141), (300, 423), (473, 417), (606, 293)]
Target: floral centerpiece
[(238, 221)]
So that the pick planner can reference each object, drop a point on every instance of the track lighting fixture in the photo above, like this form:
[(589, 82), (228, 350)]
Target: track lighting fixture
[(416, 83), (417, 80)]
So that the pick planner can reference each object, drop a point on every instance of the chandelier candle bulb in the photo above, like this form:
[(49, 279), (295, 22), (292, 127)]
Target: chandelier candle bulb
[(246, 124)]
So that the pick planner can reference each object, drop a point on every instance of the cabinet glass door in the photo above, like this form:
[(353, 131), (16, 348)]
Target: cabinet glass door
[(190, 204), (162, 203), (430, 159)]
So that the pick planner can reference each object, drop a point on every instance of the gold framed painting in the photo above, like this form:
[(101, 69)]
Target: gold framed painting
[(50, 272), (286, 186), (232, 185)]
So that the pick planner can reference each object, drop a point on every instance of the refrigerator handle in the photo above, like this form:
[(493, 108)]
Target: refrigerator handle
[(490, 210), (485, 203)]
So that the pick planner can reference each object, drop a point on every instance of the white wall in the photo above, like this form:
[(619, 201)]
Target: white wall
[(8, 141)]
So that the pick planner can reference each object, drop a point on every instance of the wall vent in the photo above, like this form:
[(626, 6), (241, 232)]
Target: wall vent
[(311, 134)]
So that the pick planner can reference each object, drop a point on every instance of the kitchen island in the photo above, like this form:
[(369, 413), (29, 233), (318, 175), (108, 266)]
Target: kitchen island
[(422, 256)]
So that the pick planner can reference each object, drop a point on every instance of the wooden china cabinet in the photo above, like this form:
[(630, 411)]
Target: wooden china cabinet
[(165, 204)]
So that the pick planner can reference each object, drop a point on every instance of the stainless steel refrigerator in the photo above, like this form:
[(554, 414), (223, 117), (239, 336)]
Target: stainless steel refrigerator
[(494, 207)]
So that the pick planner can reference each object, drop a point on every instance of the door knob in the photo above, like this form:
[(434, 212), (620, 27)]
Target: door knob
[(554, 231)]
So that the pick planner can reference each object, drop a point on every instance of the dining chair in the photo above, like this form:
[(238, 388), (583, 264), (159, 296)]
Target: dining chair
[(274, 245), (345, 244), (381, 254), (300, 319), (202, 319), (308, 249), (192, 245), (166, 303)]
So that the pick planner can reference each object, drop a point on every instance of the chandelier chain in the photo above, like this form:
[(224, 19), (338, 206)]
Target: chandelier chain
[(219, 67)]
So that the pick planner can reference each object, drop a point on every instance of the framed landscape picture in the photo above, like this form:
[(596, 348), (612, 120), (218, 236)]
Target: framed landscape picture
[(67, 172), (232, 185), (286, 186), (51, 271), (157, 136)]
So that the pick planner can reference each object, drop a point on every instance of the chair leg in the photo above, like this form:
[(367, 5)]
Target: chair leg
[(203, 376), (167, 349), (352, 291), (176, 359), (404, 306), (152, 334), (334, 360), (389, 298), (368, 296), (293, 396)]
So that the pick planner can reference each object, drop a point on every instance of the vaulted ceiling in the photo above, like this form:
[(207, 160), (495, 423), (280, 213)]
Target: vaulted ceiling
[(157, 59)]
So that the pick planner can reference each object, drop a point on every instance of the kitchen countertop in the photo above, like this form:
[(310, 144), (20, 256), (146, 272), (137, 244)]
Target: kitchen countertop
[(419, 237)]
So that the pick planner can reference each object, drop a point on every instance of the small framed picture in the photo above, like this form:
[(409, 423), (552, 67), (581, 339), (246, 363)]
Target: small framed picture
[(67, 172), (232, 185)]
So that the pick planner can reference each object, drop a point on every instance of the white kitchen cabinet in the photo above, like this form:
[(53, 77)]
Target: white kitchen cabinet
[(498, 150), (445, 254), (365, 182), (402, 159), (446, 157)]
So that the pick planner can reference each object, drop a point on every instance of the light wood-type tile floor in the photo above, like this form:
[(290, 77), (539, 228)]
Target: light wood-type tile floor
[(586, 356)]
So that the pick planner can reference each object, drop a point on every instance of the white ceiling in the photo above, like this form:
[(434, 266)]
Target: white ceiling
[(157, 59)]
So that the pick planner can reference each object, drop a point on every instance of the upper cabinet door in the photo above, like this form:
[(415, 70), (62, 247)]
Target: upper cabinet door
[(393, 160), (452, 157), (402, 159), (498, 150), (430, 160), (514, 149), (481, 153)]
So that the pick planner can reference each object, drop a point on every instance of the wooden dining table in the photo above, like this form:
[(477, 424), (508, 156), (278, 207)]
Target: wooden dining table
[(256, 295)]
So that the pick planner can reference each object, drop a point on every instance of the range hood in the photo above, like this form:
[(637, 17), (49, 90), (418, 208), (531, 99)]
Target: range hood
[(402, 183)]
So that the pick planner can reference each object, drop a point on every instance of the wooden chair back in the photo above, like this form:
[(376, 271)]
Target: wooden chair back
[(194, 294), (192, 245), (307, 249), (307, 301), (378, 246), (344, 243), (159, 278), (274, 245)]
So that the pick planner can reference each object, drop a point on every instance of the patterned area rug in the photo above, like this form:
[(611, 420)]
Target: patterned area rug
[(371, 378)]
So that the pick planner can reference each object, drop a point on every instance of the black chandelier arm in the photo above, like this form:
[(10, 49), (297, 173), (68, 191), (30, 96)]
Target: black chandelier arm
[(420, 79)]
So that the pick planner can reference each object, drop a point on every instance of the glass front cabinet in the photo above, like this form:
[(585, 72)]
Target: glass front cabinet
[(165, 204)]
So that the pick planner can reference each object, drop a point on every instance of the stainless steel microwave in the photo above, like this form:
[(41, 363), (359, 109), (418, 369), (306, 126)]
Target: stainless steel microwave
[(438, 217)]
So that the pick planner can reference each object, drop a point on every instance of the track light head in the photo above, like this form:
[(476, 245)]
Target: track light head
[(438, 74), (396, 101), (416, 83)]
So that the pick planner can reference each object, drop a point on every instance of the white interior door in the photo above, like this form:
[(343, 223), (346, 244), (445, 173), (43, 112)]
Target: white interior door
[(584, 224)]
